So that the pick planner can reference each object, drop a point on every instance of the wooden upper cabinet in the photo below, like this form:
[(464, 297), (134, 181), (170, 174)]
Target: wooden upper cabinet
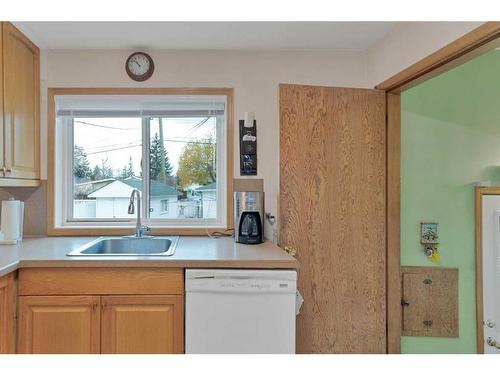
[(59, 325), (21, 102), (142, 324), (7, 314)]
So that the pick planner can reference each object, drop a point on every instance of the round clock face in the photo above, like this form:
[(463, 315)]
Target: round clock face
[(139, 66)]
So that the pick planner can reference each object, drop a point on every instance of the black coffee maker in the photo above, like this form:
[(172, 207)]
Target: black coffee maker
[(249, 217)]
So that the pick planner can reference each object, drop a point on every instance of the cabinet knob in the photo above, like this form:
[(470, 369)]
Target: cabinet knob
[(291, 250), (428, 323)]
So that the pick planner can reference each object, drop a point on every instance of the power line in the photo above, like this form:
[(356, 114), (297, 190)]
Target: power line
[(114, 149), (195, 142), (102, 126), (140, 144)]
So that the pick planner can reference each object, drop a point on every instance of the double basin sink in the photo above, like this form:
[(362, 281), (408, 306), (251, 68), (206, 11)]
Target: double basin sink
[(128, 246)]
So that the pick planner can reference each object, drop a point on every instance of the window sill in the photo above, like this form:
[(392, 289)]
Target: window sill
[(123, 231)]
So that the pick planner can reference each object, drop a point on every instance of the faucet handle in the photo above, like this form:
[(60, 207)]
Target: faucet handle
[(142, 229)]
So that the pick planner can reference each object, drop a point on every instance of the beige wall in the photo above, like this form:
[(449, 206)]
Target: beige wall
[(408, 43), (253, 75)]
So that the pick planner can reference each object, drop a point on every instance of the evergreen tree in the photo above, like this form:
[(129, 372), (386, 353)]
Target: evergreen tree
[(128, 171), (96, 173), (101, 172), (106, 170), (81, 165), (157, 156)]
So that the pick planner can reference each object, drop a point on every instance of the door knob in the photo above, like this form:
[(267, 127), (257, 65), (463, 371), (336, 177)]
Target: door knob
[(490, 323), (492, 342)]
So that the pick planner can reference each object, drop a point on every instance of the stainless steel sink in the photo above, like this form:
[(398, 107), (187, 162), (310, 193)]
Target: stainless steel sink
[(128, 246)]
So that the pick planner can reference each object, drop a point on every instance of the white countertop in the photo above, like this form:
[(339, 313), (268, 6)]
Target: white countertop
[(191, 252)]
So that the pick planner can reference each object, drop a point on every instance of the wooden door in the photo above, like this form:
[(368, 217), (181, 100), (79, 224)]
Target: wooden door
[(333, 212), (142, 324), (7, 314), (59, 324), (21, 104)]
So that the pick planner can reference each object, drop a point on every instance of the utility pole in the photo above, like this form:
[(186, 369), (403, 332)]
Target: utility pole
[(162, 177)]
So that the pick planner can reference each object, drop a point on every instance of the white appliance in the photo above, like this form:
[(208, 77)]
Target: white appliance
[(240, 311)]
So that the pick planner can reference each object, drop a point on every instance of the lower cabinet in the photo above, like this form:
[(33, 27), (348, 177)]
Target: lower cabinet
[(7, 314), (59, 325), (141, 324), (91, 322)]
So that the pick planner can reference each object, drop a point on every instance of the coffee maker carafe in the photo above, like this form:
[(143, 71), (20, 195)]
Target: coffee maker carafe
[(249, 217)]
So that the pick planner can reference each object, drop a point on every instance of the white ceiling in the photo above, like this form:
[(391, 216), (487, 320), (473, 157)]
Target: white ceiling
[(205, 35)]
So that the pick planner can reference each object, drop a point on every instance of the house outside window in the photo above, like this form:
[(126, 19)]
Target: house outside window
[(171, 148), (164, 206)]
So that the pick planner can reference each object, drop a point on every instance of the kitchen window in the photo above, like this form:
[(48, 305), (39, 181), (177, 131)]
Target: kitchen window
[(169, 147)]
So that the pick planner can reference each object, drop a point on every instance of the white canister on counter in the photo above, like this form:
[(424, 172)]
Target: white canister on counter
[(11, 219)]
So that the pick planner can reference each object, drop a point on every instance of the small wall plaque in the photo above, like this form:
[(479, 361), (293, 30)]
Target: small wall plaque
[(429, 233)]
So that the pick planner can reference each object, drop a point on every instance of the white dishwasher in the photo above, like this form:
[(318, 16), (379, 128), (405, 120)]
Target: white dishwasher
[(240, 311)]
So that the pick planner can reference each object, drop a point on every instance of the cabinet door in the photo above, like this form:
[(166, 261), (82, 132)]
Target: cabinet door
[(59, 324), (7, 315), (430, 301), (142, 324), (21, 104)]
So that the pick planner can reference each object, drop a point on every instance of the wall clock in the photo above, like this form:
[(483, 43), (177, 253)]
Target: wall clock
[(139, 66)]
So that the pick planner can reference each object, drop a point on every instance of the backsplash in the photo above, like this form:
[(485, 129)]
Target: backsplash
[(35, 207)]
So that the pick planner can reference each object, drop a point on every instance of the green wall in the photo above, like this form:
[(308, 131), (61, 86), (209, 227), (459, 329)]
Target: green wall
[(450, 140)]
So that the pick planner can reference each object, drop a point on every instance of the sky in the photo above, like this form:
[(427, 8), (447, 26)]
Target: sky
[(118, 139)]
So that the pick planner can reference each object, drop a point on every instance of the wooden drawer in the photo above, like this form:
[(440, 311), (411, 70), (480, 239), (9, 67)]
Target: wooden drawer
[(98, 281)]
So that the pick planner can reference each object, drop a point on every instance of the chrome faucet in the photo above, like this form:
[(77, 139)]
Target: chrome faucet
[(139, 228)]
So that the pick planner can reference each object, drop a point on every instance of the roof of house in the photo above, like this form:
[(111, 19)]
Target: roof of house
[(83, 189), (157, 188), (94, 189), (212, 186)]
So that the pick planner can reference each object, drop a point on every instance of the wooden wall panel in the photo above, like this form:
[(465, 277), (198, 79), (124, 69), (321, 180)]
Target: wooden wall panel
[(332, 211), (394, 312)]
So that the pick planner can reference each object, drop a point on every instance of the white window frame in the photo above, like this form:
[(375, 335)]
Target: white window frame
[(63, 180)]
